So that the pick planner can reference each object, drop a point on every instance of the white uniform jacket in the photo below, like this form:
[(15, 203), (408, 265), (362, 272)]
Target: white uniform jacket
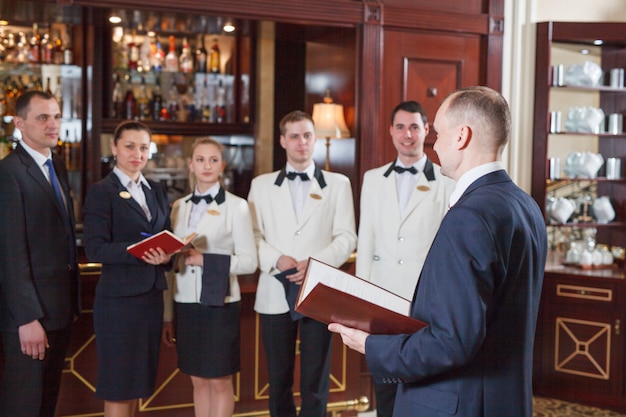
[(326, 230), (224, 229), (392, 249)]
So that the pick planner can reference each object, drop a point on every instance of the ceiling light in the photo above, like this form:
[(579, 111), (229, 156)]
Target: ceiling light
[(228, 27), (115, 19)]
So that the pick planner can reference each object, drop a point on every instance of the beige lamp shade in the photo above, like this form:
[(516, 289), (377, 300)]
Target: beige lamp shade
[(329, 120)]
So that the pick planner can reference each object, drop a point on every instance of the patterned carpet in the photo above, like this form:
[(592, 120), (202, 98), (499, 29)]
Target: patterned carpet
[(549, 407)]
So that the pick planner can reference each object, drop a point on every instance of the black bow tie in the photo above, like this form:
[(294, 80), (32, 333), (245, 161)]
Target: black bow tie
[(292, 176), (400, 170), (196, 198)]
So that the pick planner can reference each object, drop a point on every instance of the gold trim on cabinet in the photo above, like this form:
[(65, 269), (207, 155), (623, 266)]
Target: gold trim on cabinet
[(585, 293), (581, 348)]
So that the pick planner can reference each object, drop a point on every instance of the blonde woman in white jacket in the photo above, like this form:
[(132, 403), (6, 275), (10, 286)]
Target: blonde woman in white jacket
[(202, 303)]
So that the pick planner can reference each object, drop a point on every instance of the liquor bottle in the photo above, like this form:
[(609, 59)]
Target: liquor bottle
[(158, 57), (67, 150), (144, 55), (130, 104), (133, 52), (23, 49), (58, 93), (60, 148), (157, 100), (47, 49), (173, 103), (116, 99), (75, 156), (171, 59), (220, 105), (214, 58), (68, 53), (205, 103), (201, 55), (143, 104), (57, 55), (48, 90), (186, 60), (35, 45)]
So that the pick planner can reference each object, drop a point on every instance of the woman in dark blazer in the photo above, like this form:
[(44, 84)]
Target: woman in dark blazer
[(120, 210)]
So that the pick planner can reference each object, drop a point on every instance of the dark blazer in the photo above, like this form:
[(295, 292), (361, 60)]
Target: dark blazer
[(37, 278), (112, 221), (479, 290)]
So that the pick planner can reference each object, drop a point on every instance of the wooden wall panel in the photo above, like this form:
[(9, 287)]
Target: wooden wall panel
[(425, 67)]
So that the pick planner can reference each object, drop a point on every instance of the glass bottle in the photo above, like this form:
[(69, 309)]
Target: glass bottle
[(186, 60), (201, 55), (157, 99), (67, 151), (116, 99), (220, 105), (143, 103), (57, 55), (205, 103), (48, 90), (144, 54), (133, 51), (58, 93), (214, 58), (171, 59), (130, 104), (158, 57), (35, 45), (47, 49), (68, 53)]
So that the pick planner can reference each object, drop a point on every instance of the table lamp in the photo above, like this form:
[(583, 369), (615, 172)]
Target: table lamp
[(329, 123)]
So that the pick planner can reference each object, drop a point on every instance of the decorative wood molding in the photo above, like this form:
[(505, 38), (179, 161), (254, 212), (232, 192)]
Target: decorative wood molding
[(328, 12)]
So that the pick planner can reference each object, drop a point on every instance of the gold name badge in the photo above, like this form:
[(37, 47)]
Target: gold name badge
[(316, 196), (125, 195), (423, 187), (213, 212)]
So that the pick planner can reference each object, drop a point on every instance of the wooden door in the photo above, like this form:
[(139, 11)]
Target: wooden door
[(425, 67)]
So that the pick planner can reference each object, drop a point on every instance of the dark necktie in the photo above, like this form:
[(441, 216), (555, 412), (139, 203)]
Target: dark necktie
[(400, 170), (66, 218), (292, 176), (197, 198), (55, 186)]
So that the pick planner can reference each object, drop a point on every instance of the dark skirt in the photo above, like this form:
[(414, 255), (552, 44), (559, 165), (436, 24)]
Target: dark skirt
[(128, 338), (207, 339)]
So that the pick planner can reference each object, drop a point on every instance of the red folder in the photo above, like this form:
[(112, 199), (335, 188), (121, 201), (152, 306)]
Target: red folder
[(166, 240)]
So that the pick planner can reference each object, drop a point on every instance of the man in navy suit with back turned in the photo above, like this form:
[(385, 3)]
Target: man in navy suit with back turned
[(38, 270), (480, 286)]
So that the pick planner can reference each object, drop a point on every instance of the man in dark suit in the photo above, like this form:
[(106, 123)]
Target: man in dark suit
[(480, 286), (38, 269)]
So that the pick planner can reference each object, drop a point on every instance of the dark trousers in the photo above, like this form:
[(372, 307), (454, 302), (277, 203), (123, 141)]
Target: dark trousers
[(385, 398), (279, 334), (30, 387)]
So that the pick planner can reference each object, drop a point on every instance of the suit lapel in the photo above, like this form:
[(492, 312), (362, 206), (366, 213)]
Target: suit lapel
[(35, 172), (314, 199), (124, 195)]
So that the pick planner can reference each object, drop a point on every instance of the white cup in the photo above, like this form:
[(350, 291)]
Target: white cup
[(562, 209), (603, 210), (590, 165)]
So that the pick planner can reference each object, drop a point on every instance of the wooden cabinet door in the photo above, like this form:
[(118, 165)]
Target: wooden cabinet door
[(582, 342), (426, 68)]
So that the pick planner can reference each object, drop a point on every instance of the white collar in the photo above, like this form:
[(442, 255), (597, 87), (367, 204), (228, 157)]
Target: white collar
[(470, 176), (126, 180), (38, 157)]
